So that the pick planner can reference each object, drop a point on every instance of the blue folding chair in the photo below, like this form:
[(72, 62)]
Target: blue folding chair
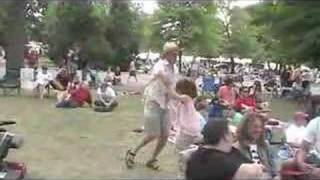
[(209, 85)]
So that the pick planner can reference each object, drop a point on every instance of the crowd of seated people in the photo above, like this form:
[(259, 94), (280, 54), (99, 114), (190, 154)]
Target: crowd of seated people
[(245, 119), (237, 139), (72, 92), (77, 95)]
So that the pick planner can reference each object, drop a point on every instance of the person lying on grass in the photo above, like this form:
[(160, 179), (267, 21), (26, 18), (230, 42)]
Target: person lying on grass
[(77, 97)]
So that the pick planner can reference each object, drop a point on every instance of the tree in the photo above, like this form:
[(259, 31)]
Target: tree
[(34, 13), (103, 32), (123, 35), (294, 26), (15, 38), (192, 25), (239, 36)]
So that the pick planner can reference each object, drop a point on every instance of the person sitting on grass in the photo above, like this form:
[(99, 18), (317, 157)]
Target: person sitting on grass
[(296, 130), (256, 93), (307, 161), (245, 102), (43, 81), (252, 143), (61, 80), (106, 98), (201, 106), (226, 93), (233, 116), (218, 159), (76, 97)]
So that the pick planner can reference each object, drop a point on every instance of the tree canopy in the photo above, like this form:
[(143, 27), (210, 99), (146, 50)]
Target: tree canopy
[(293, 27), (194, 26), (108, 32)]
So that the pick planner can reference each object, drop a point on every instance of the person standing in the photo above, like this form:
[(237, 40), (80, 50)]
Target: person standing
[(117, 76), (195, 68), (159, 91), (132, 71)]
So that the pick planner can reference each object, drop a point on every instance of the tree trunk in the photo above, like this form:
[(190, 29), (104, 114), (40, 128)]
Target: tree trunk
[(268, 63), (180, 61), (277, 66), (16, 38), (232, 64), (281, 68)]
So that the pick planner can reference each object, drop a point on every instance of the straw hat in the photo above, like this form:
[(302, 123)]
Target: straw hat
[(170, 47)]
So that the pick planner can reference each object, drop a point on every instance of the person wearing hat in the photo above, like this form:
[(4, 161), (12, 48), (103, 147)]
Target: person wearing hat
[(158, 93), (43, 81), (106, 98)]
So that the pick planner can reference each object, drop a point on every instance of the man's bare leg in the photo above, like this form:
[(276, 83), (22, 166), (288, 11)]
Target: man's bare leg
[(162, 141), (146, 140)]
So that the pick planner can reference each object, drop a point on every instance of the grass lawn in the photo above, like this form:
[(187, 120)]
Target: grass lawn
[(83, 144)]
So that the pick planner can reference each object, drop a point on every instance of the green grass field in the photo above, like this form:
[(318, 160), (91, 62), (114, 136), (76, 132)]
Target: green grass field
[(83, 144)]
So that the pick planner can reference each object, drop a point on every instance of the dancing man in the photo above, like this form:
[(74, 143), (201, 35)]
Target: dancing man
[(158, 93)]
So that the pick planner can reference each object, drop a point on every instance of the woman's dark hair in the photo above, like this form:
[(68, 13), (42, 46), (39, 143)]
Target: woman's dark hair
[(215, 130), (242, 89), (187, 87), (228, 81), (258, 86)]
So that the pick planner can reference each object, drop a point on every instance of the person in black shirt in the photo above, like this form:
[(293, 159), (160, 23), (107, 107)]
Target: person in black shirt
[(217, 159)]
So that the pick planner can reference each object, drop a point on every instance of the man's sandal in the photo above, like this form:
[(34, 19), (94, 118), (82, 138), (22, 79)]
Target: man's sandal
[(130, 159), (152, 164)]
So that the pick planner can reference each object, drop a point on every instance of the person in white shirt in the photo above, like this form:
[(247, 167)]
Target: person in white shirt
[(310, 145), (296, 130), (43, 80), (195, 69), (158, 93), (106, 98)]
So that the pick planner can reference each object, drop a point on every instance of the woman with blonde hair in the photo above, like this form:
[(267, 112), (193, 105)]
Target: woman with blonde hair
[(252, 143)]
